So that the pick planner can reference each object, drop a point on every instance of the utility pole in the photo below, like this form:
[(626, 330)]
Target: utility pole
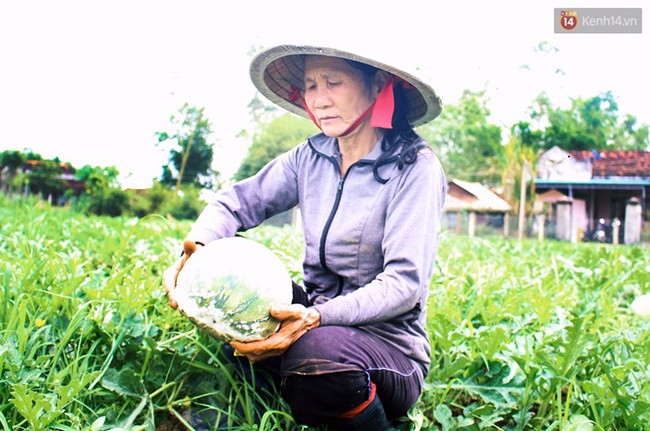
[(522, 199), (186, 154)]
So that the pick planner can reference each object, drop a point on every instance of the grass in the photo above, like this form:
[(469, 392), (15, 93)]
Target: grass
[(539, 336), (525, 335), (87, 340)]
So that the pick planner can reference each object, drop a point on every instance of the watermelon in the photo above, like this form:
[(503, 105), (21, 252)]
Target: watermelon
[(227, 288)]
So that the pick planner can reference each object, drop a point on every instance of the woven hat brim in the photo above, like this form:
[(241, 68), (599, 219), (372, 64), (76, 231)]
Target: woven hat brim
[(275, 71)]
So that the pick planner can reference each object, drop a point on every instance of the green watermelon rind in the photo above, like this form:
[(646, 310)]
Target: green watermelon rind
[(247, 317)]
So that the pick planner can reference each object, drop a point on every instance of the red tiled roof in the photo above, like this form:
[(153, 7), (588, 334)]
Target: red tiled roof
[(64, 167), (614, 163)]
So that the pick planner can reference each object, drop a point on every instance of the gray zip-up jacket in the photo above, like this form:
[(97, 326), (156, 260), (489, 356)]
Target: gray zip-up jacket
[(370, 243)]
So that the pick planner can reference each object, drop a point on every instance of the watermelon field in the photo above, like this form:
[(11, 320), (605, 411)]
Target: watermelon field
[(526, 335)]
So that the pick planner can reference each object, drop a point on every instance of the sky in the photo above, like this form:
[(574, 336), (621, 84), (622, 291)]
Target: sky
[(91, 82)]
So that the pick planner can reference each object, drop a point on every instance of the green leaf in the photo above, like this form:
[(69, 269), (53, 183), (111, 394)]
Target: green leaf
[(68, 392), (442, 413), (98, 423), (39, 410), (162, 136), (502, 385), (124, 382), (4, 423), (10, 355), (578, 423)]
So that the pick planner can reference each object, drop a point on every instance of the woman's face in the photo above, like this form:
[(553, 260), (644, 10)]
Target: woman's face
[(335, 92)]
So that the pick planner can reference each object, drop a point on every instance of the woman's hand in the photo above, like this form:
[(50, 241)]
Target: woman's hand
[(171, 274), (296, 320)]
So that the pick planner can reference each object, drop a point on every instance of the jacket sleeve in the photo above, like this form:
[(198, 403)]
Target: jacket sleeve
[(409, 246), (249, 202)]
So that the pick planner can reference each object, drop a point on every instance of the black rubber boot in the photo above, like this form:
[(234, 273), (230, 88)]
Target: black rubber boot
[(372, 418)]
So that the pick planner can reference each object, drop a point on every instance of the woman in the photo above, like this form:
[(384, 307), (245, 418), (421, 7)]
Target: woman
[(353, 344)]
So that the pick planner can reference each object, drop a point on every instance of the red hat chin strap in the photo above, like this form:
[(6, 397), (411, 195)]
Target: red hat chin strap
[(382, 108)]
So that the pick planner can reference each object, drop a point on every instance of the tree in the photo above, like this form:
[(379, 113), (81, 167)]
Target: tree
[(631, 136), (112, 202), (468, 146), (10, 162), (97, 179), (103, 196), (44, 177), (519, 163), (588, 124), (190, 159), (273, 139)]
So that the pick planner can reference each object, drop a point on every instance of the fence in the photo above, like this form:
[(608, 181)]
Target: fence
[(499, 224), (534, 227)]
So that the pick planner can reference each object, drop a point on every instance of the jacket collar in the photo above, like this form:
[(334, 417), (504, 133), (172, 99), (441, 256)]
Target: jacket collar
[(329, 147)]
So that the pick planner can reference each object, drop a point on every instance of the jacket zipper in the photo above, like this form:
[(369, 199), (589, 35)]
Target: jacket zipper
[(335, 207), (328, 224), (326, 228)]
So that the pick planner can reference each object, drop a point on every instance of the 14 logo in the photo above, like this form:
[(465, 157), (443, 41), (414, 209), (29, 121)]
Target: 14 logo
[(568, 19)]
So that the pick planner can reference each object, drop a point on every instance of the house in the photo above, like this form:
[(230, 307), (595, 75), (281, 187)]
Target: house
[(600, 186), (67, 174), (483, 205), (43, 184)]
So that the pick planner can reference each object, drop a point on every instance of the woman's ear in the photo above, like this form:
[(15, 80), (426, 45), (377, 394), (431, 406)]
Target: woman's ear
[(378, 82)]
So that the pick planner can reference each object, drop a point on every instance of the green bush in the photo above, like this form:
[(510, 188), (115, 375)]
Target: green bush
[(150, 201), (115, 202), (112, 202), (166, 202), (187, 206)]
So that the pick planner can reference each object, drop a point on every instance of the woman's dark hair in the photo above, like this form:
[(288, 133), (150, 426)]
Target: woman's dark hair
[(402, 133)]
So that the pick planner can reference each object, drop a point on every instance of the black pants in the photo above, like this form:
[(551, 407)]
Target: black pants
[(328, 371)]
